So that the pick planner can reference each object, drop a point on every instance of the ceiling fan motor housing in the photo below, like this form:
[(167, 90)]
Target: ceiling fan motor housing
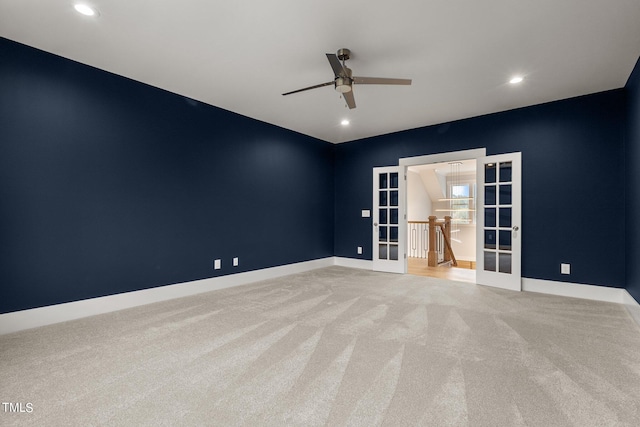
[(343, 83)]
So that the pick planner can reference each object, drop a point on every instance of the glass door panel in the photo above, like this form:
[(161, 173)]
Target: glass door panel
[(499, 221), (388, 247), (387, 193)]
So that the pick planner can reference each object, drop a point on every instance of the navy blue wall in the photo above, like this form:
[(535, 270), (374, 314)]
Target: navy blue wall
[(572, 172), (633, 183), (108, 185)]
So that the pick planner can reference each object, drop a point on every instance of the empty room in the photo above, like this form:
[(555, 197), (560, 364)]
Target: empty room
[(413, 213)]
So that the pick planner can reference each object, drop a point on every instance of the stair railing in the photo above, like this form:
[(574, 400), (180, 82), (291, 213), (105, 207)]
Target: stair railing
[(431, 240)]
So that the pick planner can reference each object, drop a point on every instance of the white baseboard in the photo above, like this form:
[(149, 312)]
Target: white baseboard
[(592, 292), (32, 318), (633, 307), (42, 316), (574, 290), (362, 264)]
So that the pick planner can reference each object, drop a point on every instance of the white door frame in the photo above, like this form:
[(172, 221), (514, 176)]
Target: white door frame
[(451, 156)]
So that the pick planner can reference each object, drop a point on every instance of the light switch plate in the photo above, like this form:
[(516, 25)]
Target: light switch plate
[(366, 213)]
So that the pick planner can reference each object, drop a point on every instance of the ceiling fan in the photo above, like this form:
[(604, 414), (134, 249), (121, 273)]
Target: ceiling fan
[(344, 79)]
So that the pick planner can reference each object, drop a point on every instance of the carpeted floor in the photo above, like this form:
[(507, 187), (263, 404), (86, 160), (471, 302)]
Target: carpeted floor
[(334, 346)]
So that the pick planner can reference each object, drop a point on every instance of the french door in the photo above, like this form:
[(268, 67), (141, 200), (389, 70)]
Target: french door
[(389, 223), (498, 238)]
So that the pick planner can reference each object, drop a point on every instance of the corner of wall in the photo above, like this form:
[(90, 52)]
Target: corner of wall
[(632, 306)]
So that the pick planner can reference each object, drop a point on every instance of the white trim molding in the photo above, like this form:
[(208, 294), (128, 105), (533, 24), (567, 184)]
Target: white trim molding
[(591, 292), (449, 156), (574, 290), (633, 307), (26, 319), (362, 264), (42, 316)]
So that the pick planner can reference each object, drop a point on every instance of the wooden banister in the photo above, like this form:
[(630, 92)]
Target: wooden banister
[(447, 254), (446, 232), (432, 256), (449, 249)]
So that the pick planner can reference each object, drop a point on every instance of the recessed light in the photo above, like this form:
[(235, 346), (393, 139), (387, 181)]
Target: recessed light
[(345, 122), (516, 79), (85, 10)]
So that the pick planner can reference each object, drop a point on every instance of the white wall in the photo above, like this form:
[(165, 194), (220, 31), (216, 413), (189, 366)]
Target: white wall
[(465, 249), (418, 201)]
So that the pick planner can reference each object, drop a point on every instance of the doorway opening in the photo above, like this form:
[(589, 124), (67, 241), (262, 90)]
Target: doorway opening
[(498, 196), (441, 220)]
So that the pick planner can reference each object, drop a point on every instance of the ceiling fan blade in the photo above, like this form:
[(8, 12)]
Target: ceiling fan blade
[(338, 69), (351, 101), (310, 87), (380, 81)]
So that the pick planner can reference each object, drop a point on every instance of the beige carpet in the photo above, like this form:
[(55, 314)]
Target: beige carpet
[(334, 346)]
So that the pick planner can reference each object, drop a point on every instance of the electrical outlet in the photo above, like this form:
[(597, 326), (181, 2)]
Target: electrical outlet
[(217, 264), (235, 262), (359, 250), (565, 268)]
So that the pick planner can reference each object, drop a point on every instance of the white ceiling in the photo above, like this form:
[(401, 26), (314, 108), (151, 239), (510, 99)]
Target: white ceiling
[(241, 55)]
